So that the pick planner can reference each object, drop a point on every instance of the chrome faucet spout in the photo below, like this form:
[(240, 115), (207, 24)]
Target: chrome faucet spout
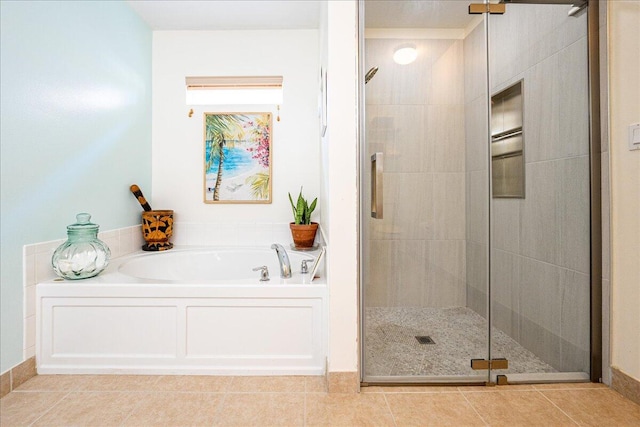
[(283, 258)]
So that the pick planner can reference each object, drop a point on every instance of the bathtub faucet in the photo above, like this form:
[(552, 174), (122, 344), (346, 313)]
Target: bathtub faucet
[(283, 258)]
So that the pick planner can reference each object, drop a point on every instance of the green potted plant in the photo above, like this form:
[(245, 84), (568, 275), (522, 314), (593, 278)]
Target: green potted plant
[(303, 230)]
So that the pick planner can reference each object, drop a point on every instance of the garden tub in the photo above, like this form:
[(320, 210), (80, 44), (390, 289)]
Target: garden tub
[(185, 311)]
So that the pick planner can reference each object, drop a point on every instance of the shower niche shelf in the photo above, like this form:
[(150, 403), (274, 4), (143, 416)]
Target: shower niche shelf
[(507, 143)]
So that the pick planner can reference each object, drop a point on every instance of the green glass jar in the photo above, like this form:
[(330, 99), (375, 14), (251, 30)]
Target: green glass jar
[(83, 255)]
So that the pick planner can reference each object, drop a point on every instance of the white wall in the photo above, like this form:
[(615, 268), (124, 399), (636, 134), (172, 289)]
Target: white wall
[(177, 151), (299, 155), (624, 86), (340, 172)]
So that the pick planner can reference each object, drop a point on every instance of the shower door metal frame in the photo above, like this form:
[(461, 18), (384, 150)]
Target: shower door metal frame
[(595, 194), (595, 186)]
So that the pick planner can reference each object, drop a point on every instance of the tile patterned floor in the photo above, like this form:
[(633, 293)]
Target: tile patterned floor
[(460, 334), (83, 400)]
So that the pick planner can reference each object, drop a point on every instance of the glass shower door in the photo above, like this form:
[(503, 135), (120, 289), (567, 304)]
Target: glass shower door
[(475, 198), (424, 199), (540, 239)]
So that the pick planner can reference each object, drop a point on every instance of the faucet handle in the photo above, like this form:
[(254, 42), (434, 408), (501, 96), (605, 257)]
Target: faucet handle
[(264, 273), (304, 268)]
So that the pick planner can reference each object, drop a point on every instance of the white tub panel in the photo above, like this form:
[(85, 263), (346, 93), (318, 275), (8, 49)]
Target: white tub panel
[(91, 328), (250, 331), (113, 331)]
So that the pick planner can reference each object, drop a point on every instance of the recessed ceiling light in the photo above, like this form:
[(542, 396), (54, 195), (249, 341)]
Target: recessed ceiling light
[(405, 54)]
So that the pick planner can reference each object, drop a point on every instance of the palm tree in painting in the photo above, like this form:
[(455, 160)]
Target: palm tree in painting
[(259, 185), (219, 128)]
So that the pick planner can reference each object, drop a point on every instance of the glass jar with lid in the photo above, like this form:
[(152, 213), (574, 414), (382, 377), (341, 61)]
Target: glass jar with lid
[(83, 255)]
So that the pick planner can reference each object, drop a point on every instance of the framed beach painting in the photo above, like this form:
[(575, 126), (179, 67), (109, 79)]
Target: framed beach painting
[(237, 157)]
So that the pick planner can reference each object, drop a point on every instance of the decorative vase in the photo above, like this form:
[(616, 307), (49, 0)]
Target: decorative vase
[(83, 255), (157, 227), (303, 234)]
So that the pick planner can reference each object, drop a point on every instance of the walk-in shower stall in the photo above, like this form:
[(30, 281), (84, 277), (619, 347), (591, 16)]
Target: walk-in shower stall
[(479, 220)]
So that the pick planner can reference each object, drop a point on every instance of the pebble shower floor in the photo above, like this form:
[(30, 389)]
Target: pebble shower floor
[(459, 335)]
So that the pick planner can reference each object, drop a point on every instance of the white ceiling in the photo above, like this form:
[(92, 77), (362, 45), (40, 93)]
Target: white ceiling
[(164, 15), (429, 14)]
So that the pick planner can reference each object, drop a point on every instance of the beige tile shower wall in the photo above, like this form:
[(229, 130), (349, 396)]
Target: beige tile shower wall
[(540, 244), (415, 116)]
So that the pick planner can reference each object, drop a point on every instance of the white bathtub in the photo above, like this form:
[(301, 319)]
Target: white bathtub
[(185, 311), (211, 266)]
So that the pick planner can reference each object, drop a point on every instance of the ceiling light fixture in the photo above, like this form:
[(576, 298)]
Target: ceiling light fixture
[(405, 54)]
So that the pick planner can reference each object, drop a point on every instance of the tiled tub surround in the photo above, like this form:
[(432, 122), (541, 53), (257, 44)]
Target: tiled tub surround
[(37, 268), (124, 241)]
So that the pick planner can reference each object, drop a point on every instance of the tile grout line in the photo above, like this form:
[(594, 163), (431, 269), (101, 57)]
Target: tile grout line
[(559, 408), (135, 407), (393, 417), (52, 406), (159, 377), (218, 413), (473, 407), (304, 404), (221, 404)]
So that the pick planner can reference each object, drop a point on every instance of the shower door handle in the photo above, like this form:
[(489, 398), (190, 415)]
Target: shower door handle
[(376, 185)]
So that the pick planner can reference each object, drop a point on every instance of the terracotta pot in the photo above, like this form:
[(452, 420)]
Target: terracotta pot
[(157, 227), (303, 235)]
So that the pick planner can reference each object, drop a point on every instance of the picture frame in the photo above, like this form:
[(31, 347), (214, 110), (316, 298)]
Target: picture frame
[(237, 153)]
